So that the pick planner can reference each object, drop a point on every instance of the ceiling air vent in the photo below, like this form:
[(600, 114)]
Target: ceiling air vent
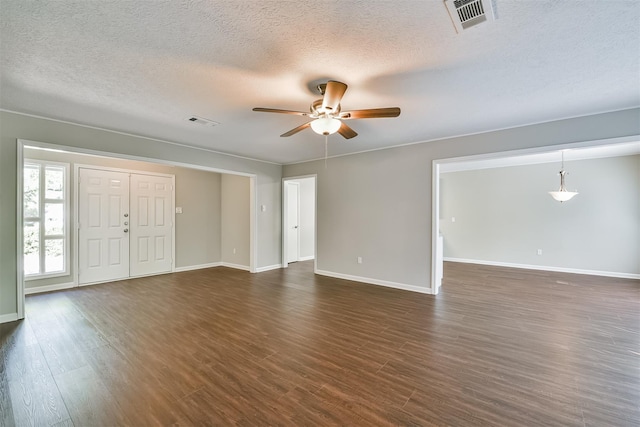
[(202, 121), (467, 13)]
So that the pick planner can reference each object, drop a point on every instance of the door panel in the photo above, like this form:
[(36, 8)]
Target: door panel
[(103, 249), (292, 229), (151, 217)]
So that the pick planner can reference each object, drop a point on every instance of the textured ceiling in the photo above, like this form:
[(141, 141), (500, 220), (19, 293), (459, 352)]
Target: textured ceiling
[(143, 67)]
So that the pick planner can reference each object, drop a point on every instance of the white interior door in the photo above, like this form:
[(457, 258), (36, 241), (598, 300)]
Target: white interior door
[(151, 224), (103, 216), (293, 221)]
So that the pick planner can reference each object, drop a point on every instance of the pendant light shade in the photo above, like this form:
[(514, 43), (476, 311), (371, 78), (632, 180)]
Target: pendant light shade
[(326, 125), (562, 195)]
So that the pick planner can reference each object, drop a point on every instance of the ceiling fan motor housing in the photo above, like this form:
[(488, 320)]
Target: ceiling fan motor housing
[(318, 110)]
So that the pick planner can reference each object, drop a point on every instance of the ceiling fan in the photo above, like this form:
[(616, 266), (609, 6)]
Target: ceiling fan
[(327, 115)]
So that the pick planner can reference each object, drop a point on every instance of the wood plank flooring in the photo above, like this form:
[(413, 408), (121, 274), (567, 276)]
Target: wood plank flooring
[(497, 347)]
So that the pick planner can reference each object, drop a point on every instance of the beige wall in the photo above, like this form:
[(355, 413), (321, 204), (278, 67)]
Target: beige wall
[(235, 220), (198, 235)]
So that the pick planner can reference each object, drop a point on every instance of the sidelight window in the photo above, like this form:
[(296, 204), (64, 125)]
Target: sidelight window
[(45, 219)]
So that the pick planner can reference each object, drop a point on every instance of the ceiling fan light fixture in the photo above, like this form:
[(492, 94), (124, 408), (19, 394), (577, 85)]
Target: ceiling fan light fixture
[(325, 125)]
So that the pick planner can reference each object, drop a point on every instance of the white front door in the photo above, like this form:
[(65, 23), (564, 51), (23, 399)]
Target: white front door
[(151, 224), (292, 227), (103, 219)]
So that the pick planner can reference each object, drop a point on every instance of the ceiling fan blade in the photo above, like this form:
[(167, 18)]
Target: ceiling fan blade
[(346, 131), (372, 113), (296, 130), (333, 95), (275, 110)]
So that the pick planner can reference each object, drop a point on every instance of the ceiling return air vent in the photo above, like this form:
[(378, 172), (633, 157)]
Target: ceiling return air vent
[(202, 121), (468, 13)]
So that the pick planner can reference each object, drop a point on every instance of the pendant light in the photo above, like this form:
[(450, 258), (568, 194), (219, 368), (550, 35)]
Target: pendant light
[(562, 195)]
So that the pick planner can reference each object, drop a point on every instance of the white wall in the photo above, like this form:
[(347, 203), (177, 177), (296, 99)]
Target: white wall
[(505, 215), (235, 220), (378, 204), (307, 219), (17, 126)]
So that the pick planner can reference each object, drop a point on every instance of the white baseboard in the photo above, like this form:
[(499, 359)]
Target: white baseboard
[(268, 267), (196, 267), (546, 268), (11, 317), (226, 264), (306, 258), (368, 280), (101, 282), (237, 266), (49, 288)]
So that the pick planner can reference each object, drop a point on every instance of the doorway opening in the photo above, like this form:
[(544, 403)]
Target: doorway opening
[(546, 154), (299, 202)]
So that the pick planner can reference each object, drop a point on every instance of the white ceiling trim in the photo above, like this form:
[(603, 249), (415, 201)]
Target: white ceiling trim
[(193, 147), (48, 146), (449, 137), (601, 149), (597, 149)]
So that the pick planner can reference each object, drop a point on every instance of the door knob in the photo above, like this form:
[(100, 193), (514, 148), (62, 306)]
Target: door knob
[(295, 226), (126, 230), (126, 223), (126, 215)]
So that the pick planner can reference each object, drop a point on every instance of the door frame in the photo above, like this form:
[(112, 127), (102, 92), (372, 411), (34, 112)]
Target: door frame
[(285, 215), (22, 143), (76, 215), (287, 230)]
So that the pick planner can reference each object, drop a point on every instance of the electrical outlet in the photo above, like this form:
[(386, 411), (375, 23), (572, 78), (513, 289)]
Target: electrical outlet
[(539, 251), (178, 210), (359, 260)]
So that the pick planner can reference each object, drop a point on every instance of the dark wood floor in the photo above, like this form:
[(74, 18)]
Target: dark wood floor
[(225, 347)]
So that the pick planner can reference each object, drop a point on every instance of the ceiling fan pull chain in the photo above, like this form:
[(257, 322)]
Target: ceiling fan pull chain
[(326, 149)]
